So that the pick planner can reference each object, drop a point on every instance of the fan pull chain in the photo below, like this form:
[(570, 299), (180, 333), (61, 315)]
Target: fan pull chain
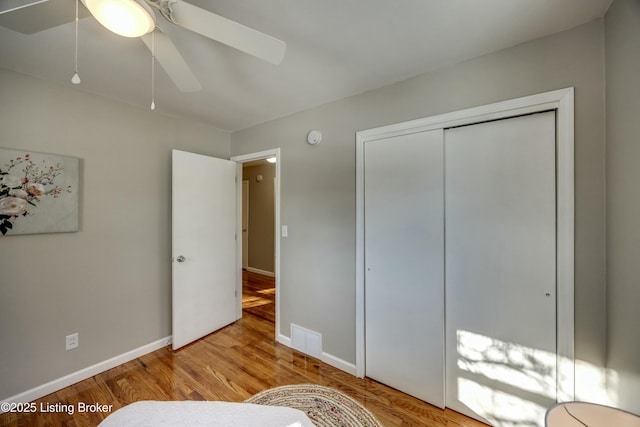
[(153, 70), (76, 78)]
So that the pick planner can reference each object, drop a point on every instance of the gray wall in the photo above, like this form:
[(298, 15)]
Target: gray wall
[(622, 24), (318, 182), (111, 280), (261, 216)]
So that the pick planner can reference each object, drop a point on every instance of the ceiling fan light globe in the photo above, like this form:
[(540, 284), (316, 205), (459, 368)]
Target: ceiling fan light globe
[(128, 18)]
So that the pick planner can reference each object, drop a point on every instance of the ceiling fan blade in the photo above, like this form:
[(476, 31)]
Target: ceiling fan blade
[(11, 5), (228, 32), (32, 16), (172, 62)]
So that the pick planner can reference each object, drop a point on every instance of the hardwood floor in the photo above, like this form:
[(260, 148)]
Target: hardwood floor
[(259, 295), (229, 365)]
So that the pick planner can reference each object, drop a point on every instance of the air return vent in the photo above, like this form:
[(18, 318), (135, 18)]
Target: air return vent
[(306, 341)]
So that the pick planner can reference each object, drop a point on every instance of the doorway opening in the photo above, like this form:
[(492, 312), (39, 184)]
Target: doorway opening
[(259, 242), (258, 238)]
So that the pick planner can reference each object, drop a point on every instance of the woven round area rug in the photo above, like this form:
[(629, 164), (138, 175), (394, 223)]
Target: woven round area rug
[(326, 407)]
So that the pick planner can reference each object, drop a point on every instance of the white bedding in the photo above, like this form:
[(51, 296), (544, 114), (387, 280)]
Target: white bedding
[(200, 414)]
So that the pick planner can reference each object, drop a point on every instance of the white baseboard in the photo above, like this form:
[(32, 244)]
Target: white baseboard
[(284, 340), (327, 358), (336, 362), (83, 374), (263, 272)]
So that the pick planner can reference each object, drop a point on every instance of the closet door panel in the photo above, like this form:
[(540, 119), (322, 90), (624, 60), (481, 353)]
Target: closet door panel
[(500, 210), (404, 282)]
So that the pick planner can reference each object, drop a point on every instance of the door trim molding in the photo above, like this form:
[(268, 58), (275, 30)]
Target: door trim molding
[(244, 229), (240, 160), (562, 101)]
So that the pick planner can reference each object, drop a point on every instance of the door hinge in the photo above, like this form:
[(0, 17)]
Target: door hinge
[(236, 293)]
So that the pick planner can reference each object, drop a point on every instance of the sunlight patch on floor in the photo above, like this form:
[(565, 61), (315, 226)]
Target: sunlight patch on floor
[(249, 302)]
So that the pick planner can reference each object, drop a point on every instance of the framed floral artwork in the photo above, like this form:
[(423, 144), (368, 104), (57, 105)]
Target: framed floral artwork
[(38, 192)]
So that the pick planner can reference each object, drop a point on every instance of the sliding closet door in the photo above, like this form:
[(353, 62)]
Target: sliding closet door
[(404, 287), (500, 210)]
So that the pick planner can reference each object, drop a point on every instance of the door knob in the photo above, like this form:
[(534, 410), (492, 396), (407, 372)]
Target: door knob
[(181, 258)]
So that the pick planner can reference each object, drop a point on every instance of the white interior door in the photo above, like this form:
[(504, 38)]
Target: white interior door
[(500, 211), (204, 245), (404, 237)]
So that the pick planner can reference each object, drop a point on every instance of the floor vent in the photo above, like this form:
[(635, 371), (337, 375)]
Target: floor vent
[(306, 341)]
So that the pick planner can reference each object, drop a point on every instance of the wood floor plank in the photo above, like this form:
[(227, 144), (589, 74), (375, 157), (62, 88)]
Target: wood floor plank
[(229, 365), (258, 295)]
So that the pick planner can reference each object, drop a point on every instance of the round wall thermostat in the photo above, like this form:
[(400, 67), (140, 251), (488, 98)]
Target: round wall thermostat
[(314, 137)]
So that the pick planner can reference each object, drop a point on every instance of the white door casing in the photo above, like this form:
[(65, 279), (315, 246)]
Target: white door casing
[(404, 264), (245, 224), (281, 338), (203, 245)]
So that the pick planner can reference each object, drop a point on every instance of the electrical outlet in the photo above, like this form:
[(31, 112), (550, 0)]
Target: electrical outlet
[(72, 341)]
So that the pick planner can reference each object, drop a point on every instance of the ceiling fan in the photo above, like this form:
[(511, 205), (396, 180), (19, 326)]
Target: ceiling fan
[(137, 18)]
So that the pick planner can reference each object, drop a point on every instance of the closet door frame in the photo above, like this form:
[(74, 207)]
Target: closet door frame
[(562, 102)]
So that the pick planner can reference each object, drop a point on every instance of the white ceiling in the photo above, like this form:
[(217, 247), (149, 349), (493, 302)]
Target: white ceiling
[(335, 49)]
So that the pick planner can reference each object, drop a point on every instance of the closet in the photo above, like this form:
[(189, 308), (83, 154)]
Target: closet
[(460, 232)]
